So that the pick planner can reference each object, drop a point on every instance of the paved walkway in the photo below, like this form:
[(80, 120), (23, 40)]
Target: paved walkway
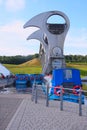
[(8, 107), (31, 116), (9, 103)]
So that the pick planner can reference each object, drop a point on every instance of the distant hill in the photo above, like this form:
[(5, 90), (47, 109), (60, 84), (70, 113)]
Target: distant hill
[(34, 62)]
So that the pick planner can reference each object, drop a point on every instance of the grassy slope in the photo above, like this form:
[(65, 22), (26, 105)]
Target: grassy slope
[(29, 67), (34, 66), (34, 62)]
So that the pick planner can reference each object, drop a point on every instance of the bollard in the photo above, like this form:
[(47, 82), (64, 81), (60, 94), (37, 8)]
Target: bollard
[(47, 97), (61, 98), (33, 87), (80, 103), (35, 93)]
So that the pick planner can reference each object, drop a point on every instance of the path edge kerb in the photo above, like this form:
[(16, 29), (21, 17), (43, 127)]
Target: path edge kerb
[(15, 121)]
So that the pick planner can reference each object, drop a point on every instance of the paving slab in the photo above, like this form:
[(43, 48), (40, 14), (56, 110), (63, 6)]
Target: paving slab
[(31, 116), (8, 107)]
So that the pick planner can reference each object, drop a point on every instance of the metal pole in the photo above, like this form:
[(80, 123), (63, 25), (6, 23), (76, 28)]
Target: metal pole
[(80, 103), (33, 87), (47, 97), (61, 98), (35, 93)]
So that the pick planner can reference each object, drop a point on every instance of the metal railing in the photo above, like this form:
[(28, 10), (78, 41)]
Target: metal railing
[(6, 82), (35, 96)]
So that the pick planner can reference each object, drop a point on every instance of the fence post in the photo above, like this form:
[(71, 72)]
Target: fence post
[(47, 97), (80, 102), (61, 98), (35, 93), (33, 87)]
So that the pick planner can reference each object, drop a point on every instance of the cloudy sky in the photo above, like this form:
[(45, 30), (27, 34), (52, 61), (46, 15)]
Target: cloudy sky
[(15, 13)]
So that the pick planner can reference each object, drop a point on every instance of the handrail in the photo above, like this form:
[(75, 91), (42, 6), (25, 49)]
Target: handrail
[(36, 86)]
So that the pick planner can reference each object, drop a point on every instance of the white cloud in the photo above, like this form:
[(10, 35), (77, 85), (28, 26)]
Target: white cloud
[(16, 27), (14, 5), (76, 42), (13, 40)]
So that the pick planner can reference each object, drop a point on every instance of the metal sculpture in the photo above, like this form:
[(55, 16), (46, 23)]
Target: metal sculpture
[(51, 37)]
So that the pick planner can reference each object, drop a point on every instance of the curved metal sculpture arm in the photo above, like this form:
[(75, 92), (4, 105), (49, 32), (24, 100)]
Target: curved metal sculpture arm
[(41, 20), (39, 36)]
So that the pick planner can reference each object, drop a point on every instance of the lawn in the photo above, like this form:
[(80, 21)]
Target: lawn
[(16, 69), (36, 68), (81, 66)]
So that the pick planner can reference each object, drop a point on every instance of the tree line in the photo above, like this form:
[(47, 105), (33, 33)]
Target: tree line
[(17, 59), (21, 59), (76, 58)]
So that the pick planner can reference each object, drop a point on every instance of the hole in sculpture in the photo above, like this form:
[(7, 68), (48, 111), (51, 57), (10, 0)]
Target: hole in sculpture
[(56, 24)]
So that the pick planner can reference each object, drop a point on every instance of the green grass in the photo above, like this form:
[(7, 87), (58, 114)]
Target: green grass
[(81, 66), (29, 67), (84, 87), (16, 69), (34, 66)]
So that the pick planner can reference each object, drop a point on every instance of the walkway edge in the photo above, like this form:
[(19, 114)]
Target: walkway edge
[(16, 119)]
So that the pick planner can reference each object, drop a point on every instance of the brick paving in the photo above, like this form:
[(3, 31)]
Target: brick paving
[(31, 116), (8, 107)]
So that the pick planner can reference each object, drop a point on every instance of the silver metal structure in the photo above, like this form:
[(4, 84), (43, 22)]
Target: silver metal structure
[(51, 37)]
